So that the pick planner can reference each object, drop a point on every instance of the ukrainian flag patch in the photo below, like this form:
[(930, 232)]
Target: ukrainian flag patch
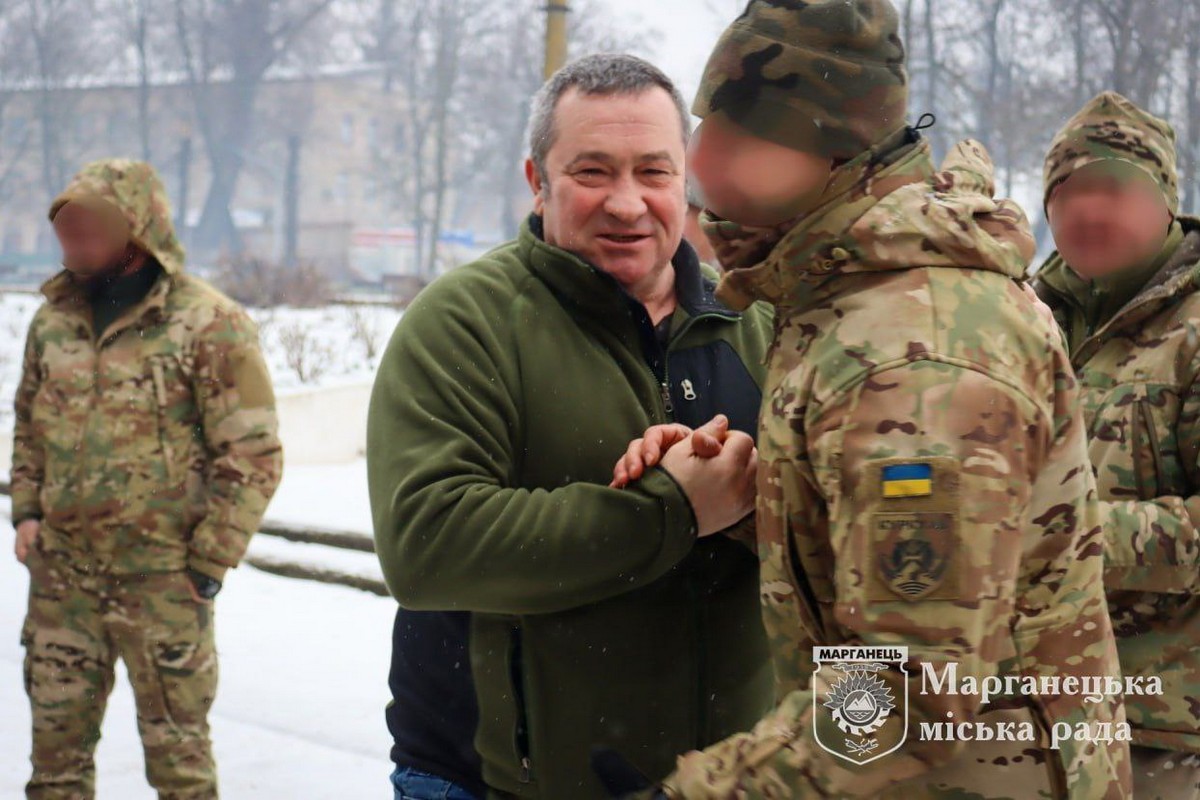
[(908, 480)]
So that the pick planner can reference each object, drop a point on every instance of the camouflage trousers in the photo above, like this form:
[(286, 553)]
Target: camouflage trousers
[(1165, 774), (77, 626)]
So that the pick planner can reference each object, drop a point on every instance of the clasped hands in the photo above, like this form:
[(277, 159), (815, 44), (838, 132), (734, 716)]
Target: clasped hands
[(713, 465)]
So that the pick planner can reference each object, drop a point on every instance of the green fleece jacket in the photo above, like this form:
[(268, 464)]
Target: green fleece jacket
[(510, 388)]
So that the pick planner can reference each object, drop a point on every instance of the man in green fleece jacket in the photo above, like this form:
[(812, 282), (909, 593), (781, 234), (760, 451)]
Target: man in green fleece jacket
[(598, 616)]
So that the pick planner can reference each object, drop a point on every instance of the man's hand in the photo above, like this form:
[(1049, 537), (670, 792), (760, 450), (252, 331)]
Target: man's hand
[(646, 452), (720, 487), (27, 533)]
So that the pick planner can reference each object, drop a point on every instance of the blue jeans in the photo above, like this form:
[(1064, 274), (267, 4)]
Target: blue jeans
[(411, 784)]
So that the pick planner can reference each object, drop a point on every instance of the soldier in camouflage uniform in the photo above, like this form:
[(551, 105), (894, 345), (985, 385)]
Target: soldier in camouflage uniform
[(923, 477), (1123, 288), (145, 454)]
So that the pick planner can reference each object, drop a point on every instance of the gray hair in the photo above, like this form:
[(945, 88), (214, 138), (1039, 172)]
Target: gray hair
[(603, 74)]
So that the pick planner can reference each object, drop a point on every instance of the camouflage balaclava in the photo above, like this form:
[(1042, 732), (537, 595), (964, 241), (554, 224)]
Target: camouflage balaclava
[(1111, 128), (824, 77)]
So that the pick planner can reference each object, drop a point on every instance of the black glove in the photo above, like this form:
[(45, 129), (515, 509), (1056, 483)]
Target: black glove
[(620, 778)]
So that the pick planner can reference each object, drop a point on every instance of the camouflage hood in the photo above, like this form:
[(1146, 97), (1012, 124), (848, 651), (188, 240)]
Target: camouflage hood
[(136, 191), (886, 210)]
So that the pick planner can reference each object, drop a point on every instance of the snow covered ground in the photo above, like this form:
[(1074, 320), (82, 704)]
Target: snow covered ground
[(326, 497), (299, 713), (304, 348)]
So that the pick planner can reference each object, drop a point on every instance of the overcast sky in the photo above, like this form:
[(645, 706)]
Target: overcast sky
[(688, 28)]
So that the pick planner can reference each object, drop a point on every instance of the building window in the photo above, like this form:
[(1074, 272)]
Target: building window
[(341, 188), (348, 129)]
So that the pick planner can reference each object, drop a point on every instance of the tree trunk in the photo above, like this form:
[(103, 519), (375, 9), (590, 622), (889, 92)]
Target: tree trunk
[(987, 100), (931, 66), (449, 42), (141, 26), (1079, 40), (225, 147), (291, 203), (185, 187), (1191, 173)]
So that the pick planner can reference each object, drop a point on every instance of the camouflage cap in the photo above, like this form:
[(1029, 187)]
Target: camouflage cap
[(1111, 128), (135, 189), (824, 77)]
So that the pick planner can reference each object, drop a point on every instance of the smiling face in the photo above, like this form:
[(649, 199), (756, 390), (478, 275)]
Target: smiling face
[(613, 189), (752, 181), (1107, 217)]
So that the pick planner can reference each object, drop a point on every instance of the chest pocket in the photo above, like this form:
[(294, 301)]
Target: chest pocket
[(1133, 443), (710, 380), (126, 403), (149, 409)]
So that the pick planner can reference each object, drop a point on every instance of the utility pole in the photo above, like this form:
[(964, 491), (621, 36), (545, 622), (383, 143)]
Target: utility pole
[(556, 35)]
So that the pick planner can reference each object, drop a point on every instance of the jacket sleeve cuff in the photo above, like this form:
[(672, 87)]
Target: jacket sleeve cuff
[(679, 518), (24, 516), (23, 509), (210, 568)]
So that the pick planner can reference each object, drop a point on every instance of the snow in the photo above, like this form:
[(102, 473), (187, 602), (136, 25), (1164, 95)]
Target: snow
[(299, 712), (315, 556), (336, 344), (331, 497), (332, 341)]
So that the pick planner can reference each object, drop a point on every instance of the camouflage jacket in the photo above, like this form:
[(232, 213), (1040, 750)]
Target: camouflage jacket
[(154, 448), (1140, 383), (919, 403)]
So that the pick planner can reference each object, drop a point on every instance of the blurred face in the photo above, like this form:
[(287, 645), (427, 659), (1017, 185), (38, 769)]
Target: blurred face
[(613, 193), (93, 242), (1106, 218), (751, 181)]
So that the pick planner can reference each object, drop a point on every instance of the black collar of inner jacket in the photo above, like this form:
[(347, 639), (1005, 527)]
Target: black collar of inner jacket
[(595, 291)]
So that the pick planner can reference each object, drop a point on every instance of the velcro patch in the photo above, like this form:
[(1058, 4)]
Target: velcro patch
[(911, 510), (916, 556), (907, 480)]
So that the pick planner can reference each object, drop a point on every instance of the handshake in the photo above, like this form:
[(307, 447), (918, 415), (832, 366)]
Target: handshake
[(714, 466)]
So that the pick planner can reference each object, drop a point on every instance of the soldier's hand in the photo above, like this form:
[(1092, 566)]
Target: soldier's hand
[(646, 452), (27, 533), (721, 487)]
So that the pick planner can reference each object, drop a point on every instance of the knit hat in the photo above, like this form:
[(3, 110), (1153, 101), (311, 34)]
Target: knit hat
[(824, 77), (1111, 128)]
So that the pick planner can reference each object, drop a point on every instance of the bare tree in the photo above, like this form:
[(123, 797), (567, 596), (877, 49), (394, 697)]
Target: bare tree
[(53, 31), (15, 137), (1191, 139), (305, 354), (227, 49)]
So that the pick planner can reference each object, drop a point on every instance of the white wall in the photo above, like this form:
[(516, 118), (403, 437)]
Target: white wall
[(324, 426)]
